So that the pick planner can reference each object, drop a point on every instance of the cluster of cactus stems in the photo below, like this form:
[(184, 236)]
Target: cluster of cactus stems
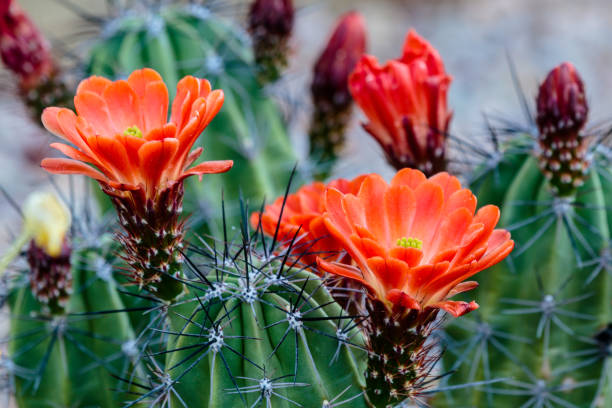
[(331, 296)]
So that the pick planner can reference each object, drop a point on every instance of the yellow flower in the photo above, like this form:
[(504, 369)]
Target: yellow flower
[(46, 221)]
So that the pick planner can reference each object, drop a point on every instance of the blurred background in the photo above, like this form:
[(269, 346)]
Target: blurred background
[(473, 37)]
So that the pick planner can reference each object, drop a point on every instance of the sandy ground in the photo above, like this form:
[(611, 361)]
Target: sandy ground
[(473, 37)]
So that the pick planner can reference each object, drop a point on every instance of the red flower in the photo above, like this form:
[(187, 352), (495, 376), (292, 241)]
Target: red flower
[(303, 212), (121, 128), (405, 102), (414, 241)]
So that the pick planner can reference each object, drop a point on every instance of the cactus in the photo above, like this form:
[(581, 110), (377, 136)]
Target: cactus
[(64, 339), (541, 331), (259, 330), (191, 40)]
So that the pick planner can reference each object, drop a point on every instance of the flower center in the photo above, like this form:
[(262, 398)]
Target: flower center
[(409, 243), (133, 131)]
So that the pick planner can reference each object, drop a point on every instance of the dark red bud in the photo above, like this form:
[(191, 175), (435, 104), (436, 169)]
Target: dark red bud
[(561, 101), (331, 72), (23, 49), (271, 17)]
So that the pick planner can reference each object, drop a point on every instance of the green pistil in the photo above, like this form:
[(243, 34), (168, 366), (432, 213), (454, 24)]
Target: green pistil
[(133, 131), (409, 243)]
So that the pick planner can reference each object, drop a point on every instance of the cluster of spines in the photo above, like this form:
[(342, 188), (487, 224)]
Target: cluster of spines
[(400, 361), (246, 273), (152, 237)]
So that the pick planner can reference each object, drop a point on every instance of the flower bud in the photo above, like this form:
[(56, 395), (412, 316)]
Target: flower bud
[(26, 52), (330, 92), (270, 24), (47, 221), (562, 112), (405, 102), (561, 101), (22, 47)]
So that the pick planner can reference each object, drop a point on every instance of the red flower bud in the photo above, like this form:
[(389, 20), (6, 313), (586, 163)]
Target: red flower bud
[(22, 47), (405, 102), (562, 113), (331, 97), (345, 47), (561, 102), (270, 24)]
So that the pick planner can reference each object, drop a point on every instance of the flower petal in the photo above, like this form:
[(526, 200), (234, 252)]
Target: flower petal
[(69, 166)]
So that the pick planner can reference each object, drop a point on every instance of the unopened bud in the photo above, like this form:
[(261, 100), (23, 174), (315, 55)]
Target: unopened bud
[(331, 97), (270, 24)]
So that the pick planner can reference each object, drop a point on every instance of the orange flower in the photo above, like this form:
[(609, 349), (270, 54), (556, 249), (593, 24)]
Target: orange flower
[(303, 211), (122, 129), (405, 101), (414, 241)]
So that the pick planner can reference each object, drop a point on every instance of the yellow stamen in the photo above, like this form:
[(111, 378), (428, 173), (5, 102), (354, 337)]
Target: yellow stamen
[(133, 131), (409, 243)]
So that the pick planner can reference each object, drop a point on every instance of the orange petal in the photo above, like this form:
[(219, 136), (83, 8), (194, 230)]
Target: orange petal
[(92, 107), (450, 233), (72, 152), (368, 247), (152, 95), (372, 194), (449, 184), (455, 308), (355, 212), (187, 91), (399, 298), (391, 273), (193, 156), (429, 204), (94, 84), (140, 78), (340, 269), (410, 178), (123, 106), (154, 158), (164, 132), (400, 206), (69, 166), (462, 287), (209, 167), (412, 256), (461, 198), (114, 156), (336, 215)]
